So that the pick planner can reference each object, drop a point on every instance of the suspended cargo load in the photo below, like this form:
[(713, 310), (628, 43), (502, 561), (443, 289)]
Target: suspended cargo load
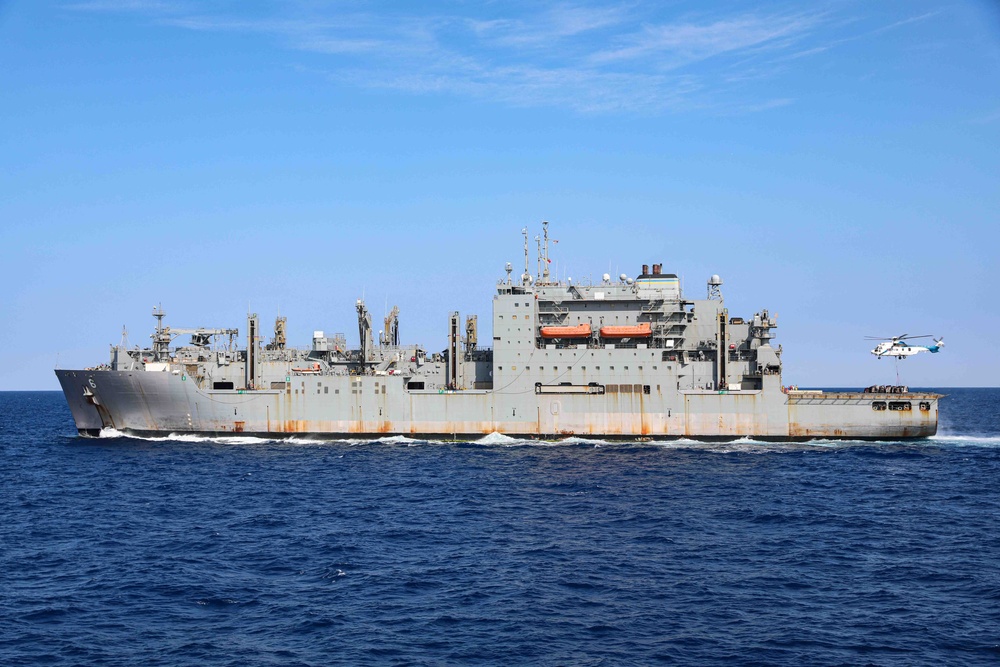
[(574, 331), (642, 330)]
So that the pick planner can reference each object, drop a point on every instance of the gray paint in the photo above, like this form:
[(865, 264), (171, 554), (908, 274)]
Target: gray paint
[(700, 374)]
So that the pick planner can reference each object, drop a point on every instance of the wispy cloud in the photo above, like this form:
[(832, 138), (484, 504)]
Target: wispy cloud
[(551, 27), (586, 57), (683, 43)]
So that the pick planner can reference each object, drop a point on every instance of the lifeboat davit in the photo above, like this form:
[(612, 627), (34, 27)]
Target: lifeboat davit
[(642, 330), (576, 331)]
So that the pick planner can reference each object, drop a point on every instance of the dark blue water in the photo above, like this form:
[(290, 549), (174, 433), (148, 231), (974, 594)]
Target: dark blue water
[(245, 552)]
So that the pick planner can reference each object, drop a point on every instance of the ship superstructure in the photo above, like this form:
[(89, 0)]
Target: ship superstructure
[(615, 358)]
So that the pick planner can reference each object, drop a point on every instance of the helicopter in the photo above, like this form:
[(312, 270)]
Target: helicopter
[(899, 348)]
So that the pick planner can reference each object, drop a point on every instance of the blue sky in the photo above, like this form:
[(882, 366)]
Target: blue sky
[(834, 162)]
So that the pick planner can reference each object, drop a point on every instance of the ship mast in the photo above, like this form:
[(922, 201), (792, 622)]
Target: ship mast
[(545, 264), (161, 338), (525, 277), (538, 273)]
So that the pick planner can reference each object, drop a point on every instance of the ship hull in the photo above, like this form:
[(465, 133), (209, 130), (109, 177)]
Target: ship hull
[(333, 407)]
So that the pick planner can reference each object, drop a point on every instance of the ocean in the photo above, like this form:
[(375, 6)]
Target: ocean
[(240, 551)]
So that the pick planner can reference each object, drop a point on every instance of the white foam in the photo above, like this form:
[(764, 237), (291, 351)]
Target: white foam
[(186, 437), (305, 441), (967, 440), (396, 440), (496, 438), (577, 440), (220, 439), (744, 444)]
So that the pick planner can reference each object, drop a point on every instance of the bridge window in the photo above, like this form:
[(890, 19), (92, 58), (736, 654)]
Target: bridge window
[(900, 405), (878, 405)]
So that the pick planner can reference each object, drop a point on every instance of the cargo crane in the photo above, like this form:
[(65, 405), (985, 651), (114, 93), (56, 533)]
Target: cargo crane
[(200, 337)]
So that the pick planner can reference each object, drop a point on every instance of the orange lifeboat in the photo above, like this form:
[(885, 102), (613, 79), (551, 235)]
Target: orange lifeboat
[(314, 369), (576, 331), (643, 330)]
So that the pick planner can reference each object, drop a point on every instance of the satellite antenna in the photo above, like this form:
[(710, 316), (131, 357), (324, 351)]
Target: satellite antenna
[(715, 287)]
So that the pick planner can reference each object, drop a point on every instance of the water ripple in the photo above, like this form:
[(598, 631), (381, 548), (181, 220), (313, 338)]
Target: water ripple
[(250, 551)]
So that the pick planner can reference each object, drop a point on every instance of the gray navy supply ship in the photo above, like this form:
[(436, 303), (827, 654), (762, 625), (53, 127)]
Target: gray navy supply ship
[(620, 358)]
